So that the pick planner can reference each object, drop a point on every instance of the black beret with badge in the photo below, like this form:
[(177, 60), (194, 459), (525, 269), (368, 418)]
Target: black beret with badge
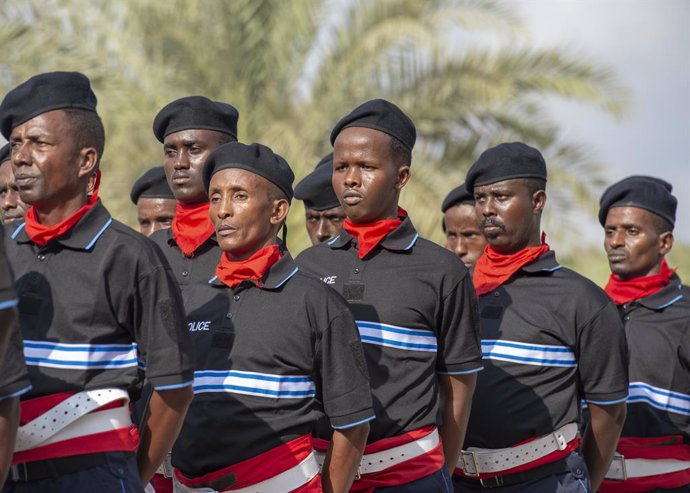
[(195, 112), (43, 93), (152, 185), (381, 115), (316, 189), (459, 195), (255, 158), (645, 192), (508, 161)]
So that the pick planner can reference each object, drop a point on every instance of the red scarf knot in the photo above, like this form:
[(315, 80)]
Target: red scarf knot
[(624, 291), (191, 226), (371, 234), (233, 272), (41, 234), (494, 269)]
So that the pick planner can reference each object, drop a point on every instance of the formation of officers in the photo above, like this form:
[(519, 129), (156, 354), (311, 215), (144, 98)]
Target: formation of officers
[(200, 356)]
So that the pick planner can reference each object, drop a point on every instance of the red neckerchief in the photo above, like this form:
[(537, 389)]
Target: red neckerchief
[(370, 234), (493, 269), (41, 235), (622, 292), (191, 226), (233, 272)]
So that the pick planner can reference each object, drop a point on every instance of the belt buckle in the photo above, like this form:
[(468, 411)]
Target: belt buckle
[(492, 482), (358, 475), (621, 458), (16, 472), (470, 453)]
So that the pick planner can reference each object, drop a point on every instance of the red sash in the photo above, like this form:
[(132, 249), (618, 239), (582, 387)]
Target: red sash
[(664, 447), (493, 269), (233, 272), (370, 234), (622, 292), (401, 473), (262, 467), (191, 226), (41, 234), (123, 439)]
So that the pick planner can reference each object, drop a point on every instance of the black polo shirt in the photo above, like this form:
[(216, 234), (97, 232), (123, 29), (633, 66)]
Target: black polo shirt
[(416, 311), (196, 269), (658, 331), (269, 362), (14, 380), (550, 338), (94, 305)]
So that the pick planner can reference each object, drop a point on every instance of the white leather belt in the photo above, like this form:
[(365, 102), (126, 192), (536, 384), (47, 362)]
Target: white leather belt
[(622, 468), (288, 480), (476, 461), (380, 461), (71, 419)]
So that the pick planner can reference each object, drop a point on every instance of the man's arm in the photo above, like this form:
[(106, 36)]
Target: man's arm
[(9, 420), (167, 410), (601, 438), (343, 458), (456, 402)]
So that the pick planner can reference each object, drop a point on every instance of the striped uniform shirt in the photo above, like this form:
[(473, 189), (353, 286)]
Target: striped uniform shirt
[(416, 312), (269, 362), (550, 338)]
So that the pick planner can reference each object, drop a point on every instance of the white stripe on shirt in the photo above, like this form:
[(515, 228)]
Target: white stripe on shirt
[(396, 337), (252, 383), (663, 399), (80, 356), (528, 354)]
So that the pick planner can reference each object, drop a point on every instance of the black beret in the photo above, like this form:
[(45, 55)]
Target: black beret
[(5, 153), (316, 189), (152, 184), (645, 192), (382, 115), (43, 93), (195, 112), (507, 161), (255, 158), (459, 195)]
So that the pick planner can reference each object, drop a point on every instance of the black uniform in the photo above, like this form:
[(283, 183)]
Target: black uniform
[(265, 358), (94, 305), (550, 338), (658, 332), (416, 312)]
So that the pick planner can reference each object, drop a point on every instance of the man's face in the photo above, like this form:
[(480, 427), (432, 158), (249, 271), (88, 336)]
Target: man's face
[(154, 214), (323, 225), (45, 160), (507, 212), (243, 213), (12, 209), (632, 242), (366, 178), (463, 235), (185, 154)]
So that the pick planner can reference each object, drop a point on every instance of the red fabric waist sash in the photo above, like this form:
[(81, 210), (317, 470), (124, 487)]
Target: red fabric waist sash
[(122, 439), (261, 467)]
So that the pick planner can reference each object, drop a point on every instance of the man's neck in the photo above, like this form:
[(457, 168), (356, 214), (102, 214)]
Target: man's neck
[(52, 214)]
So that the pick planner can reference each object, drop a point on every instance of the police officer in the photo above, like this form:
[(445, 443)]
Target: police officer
[(189, 129), (461, 226), (273, 344), (638, 215), (323, 214), (96, 302), (413, 303), (549, 338), (12, 209), (155, 201)]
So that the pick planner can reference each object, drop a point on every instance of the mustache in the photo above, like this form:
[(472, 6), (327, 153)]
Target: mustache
[(489, 221)]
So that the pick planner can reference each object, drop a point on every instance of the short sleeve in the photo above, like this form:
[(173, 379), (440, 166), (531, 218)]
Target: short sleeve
[(14, 378), (602, 358), (341, 373), (459, 340), (165, 347)]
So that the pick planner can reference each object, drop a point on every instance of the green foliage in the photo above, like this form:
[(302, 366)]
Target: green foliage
[(294, 67)]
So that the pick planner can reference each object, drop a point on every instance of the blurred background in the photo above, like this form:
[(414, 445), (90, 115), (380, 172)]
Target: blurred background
[(601, 87)]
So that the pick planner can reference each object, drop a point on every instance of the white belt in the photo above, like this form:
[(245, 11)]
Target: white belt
[(475, 461), (622, 468), (289, 480), (380, 461), (71, 419)]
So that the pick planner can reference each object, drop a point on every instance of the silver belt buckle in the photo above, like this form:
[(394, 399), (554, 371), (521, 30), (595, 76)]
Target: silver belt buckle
[(621, 459), (464, 454), (15, 474)]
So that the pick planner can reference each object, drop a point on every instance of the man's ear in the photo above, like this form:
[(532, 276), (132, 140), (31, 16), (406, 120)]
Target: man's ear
[(665, 242), (403, 177), (281, 207), (538, 201), (88, 160)]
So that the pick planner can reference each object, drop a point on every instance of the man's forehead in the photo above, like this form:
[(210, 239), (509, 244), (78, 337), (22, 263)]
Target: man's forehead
[(190, 136), (359, 137), (629, 214), (50, 121), (507, 185)]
